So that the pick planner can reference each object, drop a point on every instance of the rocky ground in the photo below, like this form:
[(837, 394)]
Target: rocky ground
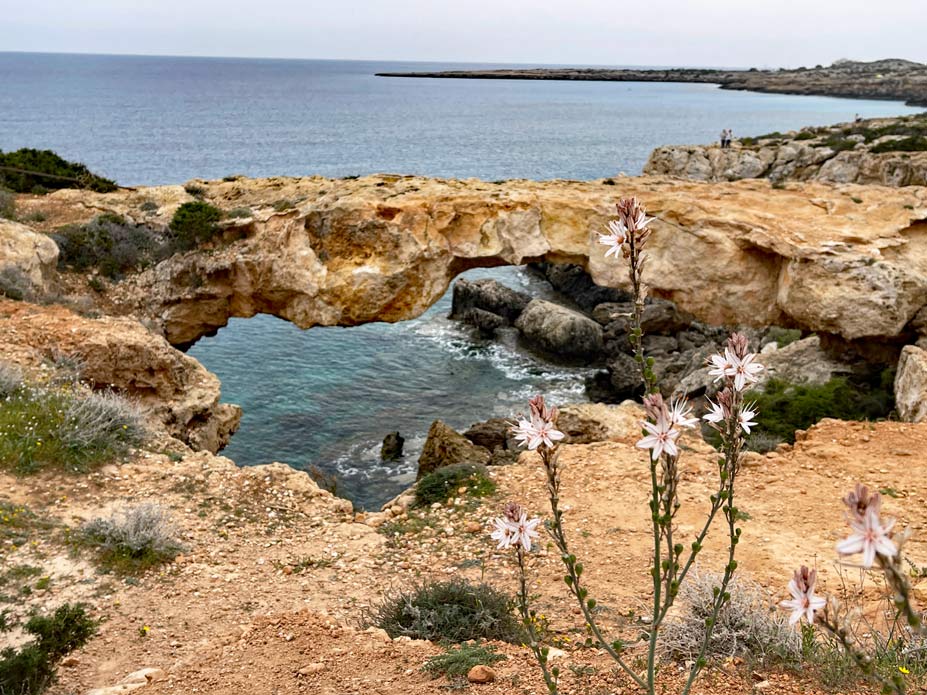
[(270, 592), (900, 80), (882, 151)]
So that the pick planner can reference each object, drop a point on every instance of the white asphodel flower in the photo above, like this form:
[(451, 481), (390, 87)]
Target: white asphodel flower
[(803, 604), (744, 369), (503, 532), (720, 367), (746, 419), (871, 537), (535, 431), (525, 531), (680, 414), (661, 436), (715, 414), (615, 239)]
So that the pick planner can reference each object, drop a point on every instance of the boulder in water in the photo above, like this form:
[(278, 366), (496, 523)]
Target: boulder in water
[(560, 331), (488, 295), (392, 447), (486, 321)]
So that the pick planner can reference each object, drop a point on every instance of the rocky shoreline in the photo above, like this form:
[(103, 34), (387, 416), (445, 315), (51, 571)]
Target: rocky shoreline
[(880, 151), (891, 79)]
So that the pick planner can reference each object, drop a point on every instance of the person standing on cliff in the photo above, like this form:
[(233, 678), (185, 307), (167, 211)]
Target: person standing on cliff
[(724, 138), (730, 137)]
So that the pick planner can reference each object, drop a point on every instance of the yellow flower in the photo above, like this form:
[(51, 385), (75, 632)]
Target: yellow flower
[(904, 670)]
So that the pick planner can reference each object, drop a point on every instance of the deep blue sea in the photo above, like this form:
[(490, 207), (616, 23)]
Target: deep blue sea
[(325, 397)]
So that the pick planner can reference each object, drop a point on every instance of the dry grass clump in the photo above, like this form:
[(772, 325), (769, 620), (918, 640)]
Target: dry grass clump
[(63, 424), (748, 625), (134, 539)]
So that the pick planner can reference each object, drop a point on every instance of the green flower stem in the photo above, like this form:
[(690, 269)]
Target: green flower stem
[(540, 653)]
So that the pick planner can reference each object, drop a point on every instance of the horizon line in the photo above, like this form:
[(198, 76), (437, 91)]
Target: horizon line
[(376, 60)]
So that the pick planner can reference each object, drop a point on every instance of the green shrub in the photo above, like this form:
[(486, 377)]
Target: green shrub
[(456, 662), (454, 611), (785, 407), (909, 144), (7, 204), (239, 213), (283, 205), (31, 669), (442, 484), (806, 135), (61, 173), (838, 143), (149, 206), (783, 336), (134, 540), (195, 190), (110, 244), (194, 223), (66, 427)]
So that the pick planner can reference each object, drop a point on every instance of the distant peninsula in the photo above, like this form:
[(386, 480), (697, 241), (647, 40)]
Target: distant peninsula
[(890, 79)]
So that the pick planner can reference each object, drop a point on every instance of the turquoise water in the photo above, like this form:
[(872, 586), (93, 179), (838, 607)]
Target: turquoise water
[(325, 397)]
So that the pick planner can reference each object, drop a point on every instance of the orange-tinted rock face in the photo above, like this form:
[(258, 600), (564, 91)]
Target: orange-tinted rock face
[(844, 259)]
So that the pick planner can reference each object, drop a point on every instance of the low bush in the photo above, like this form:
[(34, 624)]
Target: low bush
[(68, 427), (133, 540), (806, 135), (838, 143), (442, 484), (909, 144), (193, 224), (110, 244), (748, 626), (456, 662), (783, 336), (240, 213), (454, 611), (31, 669), (14, 284), (195, 190), (7, 204), (22, 171), (785, 407)]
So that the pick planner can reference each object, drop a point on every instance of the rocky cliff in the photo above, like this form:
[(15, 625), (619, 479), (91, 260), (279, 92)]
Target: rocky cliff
[(843, 259), (179, 394), (885, 151)]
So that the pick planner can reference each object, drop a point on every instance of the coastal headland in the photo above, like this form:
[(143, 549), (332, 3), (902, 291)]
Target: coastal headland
[(892, 79)]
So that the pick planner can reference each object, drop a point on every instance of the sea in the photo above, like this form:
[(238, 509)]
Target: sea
[(324, 398)]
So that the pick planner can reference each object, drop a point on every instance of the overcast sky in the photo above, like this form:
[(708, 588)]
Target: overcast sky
[(763, 33)]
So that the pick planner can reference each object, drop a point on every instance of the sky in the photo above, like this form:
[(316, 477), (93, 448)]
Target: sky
[(723, 33)]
